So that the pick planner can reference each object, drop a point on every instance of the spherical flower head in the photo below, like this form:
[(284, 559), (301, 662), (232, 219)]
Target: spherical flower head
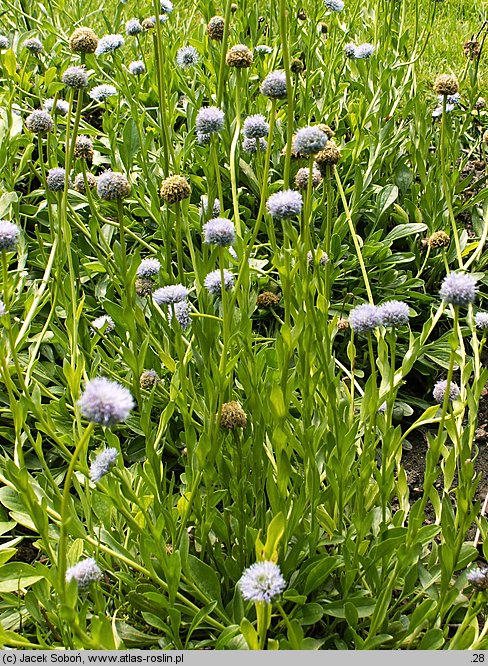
[(350, 50), (232, 416), (79, 182), (109, 44), (327, 157), (148, 379), (303, 175), (105, 402), (263, 48), (102, 464), (182, 314), (210, 119), (251, 145), (39, 122), (394, 313), (262, 582), (83, 148), (318, 256), (297, 66), (458, 289), (174, 189), (364, 318), (103, 324), (102, 92), (446, 84), (440, 391), (112, 185), (61, 107), (2, 308), (215, 28), (4, 43), (478, 578), (267, 300), (137, 67), (166, 6), (334, 5), (85, 572), (286, 204), (439, 239), (274, 85), (55, 179), (219, 231), (133, 27), (342, 324), (33, 45), (148, 268), (203, 210), (83, 40), (213, 281), (255, 127), (9, 236), (187, 57), (481, 320), (480, 103), (144, 286), (364, 51), (75, 77), (239, 56), (173, 293), (451, 100)]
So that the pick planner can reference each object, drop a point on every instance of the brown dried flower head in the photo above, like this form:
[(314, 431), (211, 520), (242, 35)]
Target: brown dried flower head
[(485, 136), (438, 239), (342, 324), (174, 189), (324, 28), (446, 84), (301, 15), (472, 49), (480, 103), (79, 182), (329, 156), (297, 66), (144, 286), (267, 300), (232, 416), (148, 379), (215, 28), (83, 148), (239, 56), (83, 40), (302, 177)]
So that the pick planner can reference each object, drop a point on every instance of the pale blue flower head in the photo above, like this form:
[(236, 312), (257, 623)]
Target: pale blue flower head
[(263, 48), (251, 145), (137, 67), (286, 204), (334, 5), (187, 57), (394, 313), (210, 119), (133, 27), (440, 391), (148, 268), (203, 138), (75, 77), (255, 127), (458, 289), (102, 464), (109, 44), (105, 402), (262, 582), (481, 320), (203, 210), (309, 141), (166, 6), (33, 45), (4, 43), (62, 106), (274, 85), (84, 572), (173, 293), (55, 179), (219, 231), (182, 314), (364, 51), (2, 308), (478, 578), (364, 318), (103, 323), (39, 122), (213, 281), (9, 236), (350, 50), (102, 92), (451, 100)]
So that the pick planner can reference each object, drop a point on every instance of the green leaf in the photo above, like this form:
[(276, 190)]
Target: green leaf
[(402, 230), (204, 578), (16, 576), (130, 143), (249, 634), (432, 640), (364, 606)]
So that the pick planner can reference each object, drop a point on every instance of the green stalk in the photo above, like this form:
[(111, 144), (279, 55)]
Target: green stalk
[(179, 243), (233, 163), (289, 92), (445, 187), (223, 52)]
